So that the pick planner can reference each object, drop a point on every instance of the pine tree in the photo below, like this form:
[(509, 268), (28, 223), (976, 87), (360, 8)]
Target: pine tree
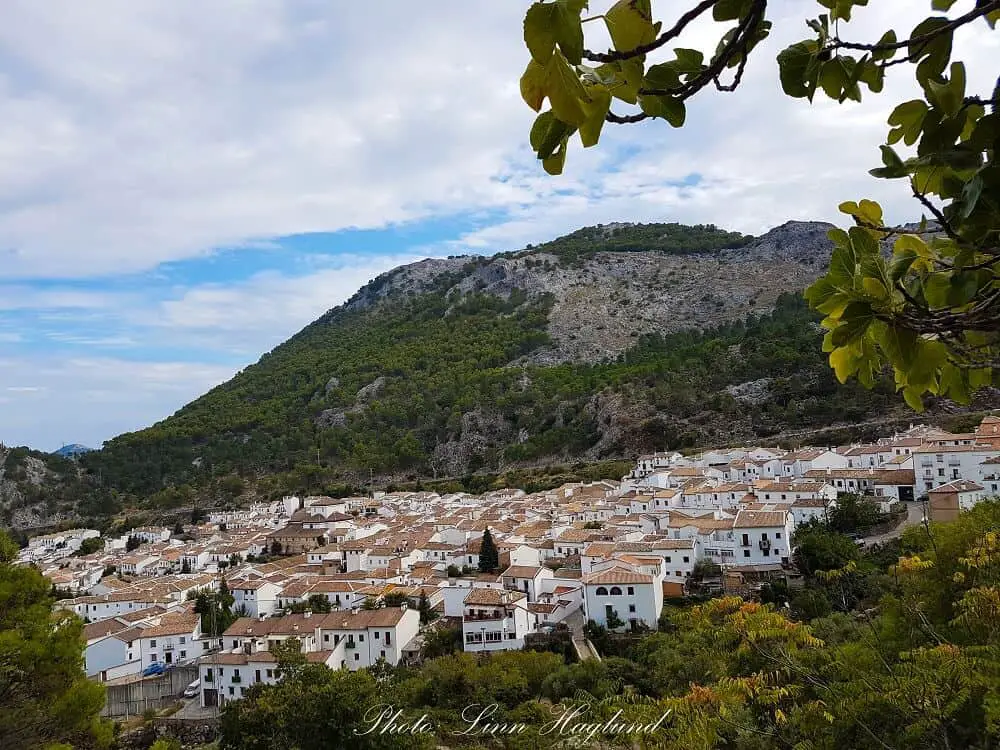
[(489, 557), (424, 607)]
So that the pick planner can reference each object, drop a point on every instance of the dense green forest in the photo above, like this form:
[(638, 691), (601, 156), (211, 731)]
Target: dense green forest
[(671, 239), (437, 358)]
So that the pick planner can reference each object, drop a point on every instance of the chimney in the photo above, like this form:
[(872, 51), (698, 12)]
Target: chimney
[(307, 614)]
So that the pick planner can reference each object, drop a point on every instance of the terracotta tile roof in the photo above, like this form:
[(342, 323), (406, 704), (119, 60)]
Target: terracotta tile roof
[(102, 628), (959, 485), (492, 597), (521, 571), (617, 575), (384, 617), (173, 625), (751, 519)]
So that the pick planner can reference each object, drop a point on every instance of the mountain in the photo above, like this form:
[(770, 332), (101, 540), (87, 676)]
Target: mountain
[(72, 450), (609, 342), (39, 490)]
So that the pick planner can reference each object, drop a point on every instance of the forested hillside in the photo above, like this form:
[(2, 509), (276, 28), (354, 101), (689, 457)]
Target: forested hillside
[(447, 368), (604, 344)]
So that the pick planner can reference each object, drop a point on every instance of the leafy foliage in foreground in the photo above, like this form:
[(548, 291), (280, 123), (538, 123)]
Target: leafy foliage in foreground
[(45, 698), (905, 654)]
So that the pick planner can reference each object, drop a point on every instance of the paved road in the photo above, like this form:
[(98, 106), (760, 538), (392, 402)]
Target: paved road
[(914, 515), (192, 710)]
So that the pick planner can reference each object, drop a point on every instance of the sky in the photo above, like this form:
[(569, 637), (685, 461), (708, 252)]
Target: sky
[(184, 185)]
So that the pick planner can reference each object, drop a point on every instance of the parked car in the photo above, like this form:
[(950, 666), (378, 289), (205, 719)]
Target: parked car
[(192, 690), (157, 667)]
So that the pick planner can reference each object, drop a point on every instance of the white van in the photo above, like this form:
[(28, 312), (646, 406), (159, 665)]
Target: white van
[(192, 690)]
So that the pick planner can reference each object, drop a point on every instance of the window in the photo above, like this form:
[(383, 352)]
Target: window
[(678, 574), (494, 636), (383, 653), (631, 590), (270, 672), (939, 458), (182, 639), (361, 637), (357, 657), (746, 540), (152, 657), (687, 559), (152, 643), (326, 637), (601, 591), (388, 637), (668, 558), (746, 553), (940, 472), (616, 591), (232, 690), (777, 535), (184, 654), (631, 608), (376, 635)]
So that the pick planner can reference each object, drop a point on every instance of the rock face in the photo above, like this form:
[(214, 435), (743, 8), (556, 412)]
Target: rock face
[(22, 477), (603, 304)]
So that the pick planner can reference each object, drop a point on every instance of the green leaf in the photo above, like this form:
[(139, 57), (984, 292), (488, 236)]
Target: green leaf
[(547, 133), (550, 23), (540, 31), (908, 118), (933, 55), (554, 163), (888, 37), (630, 24), (662, 77), (797, 69), (689, 60), (855, 319), (669, 108), (730, 10), (913, 399), (533, 85), (970, 196), (597, 108), (569, 30), (949, 95), (834, 78), (565, 91), (942, 4)]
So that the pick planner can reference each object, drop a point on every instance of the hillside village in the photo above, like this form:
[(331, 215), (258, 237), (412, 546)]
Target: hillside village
[(362, 580)]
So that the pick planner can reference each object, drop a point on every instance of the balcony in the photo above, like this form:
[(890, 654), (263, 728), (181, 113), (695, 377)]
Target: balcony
[(487, 617), (209, 677), (350, 643), (764, 544), (236, 679)]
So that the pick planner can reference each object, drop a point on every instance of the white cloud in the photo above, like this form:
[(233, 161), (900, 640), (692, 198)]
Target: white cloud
[(87, 400), (251, 317), (137, 133)]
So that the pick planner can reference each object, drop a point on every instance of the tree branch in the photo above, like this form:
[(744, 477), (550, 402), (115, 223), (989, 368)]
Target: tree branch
[(666, 36), (922, 39), (739, 41)]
